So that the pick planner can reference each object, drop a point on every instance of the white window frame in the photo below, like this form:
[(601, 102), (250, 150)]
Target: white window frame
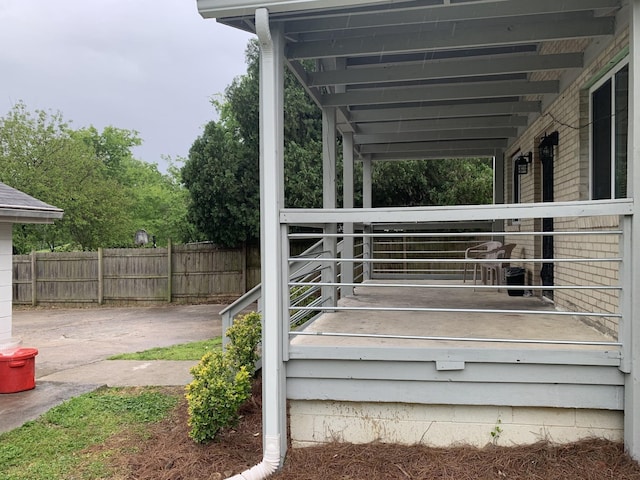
[(610, 75)]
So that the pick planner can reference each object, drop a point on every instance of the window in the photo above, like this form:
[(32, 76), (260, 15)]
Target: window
[(609, 117)]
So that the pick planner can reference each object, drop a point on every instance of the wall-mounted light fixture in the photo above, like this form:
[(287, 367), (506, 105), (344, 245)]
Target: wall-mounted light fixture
[(522, 163), (545, 148)]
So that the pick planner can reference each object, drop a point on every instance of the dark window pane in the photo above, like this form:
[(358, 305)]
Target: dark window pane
[(601, 136), (621, 123)]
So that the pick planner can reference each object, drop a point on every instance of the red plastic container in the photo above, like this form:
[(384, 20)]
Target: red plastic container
[(18, 370)]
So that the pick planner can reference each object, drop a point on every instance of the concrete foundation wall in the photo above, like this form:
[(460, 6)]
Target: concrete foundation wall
[(315, 422)]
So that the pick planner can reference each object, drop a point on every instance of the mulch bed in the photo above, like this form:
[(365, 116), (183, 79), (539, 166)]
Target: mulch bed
[(169, 454)]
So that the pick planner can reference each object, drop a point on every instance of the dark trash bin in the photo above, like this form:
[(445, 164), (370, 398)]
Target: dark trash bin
[(515, 276)]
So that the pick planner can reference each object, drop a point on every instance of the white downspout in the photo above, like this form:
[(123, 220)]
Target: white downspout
[(271, 200), (269, 464)]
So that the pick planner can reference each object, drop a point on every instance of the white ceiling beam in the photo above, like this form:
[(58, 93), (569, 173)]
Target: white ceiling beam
[(437, 154), (426, 146), (444, 111), (436, 135), (454, 36), (457, 91), (429, 14), (441, 124), (437, 69)]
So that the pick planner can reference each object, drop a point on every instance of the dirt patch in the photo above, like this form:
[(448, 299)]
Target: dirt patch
[(169, 454)]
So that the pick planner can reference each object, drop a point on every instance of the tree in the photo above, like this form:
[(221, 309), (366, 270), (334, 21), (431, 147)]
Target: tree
[(159, 201), (432, 182), (222, 171), (221, 178), (40, 155), (112, 148)]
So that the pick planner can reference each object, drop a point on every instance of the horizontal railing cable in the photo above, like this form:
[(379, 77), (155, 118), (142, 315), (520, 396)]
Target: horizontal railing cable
[(466, 310), (466, 260), (461, 286), (453, 339), (454, 234)]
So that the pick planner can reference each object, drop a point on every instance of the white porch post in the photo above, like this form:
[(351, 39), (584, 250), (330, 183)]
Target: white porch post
[(367, 242), (271, 200), (347, 202), (329, 273), (6, 280), (632, 342), (498, 178), (498, 187)]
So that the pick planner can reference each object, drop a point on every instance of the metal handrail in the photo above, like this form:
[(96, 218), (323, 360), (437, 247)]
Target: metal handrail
[(255, 294)]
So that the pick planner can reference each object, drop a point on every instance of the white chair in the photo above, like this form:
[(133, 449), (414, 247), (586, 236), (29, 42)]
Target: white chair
[(493, 272), (477, 251)]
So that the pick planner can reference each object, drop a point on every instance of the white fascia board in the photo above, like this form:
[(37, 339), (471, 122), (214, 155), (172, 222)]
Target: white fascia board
[(26, 215), (231, 8)]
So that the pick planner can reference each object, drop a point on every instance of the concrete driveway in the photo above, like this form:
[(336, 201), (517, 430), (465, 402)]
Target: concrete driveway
[(73, 345), (68, 338)]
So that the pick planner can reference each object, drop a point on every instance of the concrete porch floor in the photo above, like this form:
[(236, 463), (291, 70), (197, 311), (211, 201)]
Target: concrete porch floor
[(507, 326)]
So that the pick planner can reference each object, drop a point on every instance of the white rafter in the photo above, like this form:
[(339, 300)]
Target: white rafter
[(464, 91), (449, 68), (453, 36)]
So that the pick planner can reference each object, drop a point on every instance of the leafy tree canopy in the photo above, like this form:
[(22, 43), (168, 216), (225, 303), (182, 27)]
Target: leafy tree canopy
[(222, 171), (105, 193), (453, 181)]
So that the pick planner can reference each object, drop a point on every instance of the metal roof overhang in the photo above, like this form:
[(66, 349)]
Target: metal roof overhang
[(433, 78)]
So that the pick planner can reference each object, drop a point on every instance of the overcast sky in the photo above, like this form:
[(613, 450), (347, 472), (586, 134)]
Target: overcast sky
[(145, 65)]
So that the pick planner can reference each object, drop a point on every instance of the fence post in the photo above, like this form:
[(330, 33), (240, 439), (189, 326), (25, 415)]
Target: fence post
[(34, 280), (244, 268), (169, 272), (100, 277)]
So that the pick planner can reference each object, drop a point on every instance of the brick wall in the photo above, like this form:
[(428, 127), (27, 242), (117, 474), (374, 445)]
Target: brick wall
[(569, 115)]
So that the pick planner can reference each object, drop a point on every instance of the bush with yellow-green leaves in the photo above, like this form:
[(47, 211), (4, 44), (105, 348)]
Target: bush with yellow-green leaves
[(222, 380)]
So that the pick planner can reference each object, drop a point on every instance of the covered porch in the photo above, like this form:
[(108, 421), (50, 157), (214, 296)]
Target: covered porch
[(418, 354), (438, 79)]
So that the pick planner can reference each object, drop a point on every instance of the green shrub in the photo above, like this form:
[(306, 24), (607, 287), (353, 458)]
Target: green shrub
[(215, 395), (245, 335), (222, 380)]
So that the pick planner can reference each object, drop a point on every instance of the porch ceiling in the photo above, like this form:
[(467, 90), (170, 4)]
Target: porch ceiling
[(434, 78)]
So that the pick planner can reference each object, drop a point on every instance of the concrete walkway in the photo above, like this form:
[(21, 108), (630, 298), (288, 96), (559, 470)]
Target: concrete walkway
[(73, 346)]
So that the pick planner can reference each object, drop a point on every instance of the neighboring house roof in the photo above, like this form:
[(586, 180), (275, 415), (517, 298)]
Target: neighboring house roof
[(18, 207)]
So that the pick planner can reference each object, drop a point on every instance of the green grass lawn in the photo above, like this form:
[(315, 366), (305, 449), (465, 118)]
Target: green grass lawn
[(183, 351), (58, 445)]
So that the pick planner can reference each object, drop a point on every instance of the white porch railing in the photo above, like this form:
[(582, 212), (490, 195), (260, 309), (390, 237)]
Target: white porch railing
[(301, 270), (589, 264)]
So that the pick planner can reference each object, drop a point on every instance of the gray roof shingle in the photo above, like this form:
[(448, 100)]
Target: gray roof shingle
[(17, 206)]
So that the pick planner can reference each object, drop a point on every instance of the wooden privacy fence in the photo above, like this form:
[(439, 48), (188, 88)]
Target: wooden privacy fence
[(182, 273)]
